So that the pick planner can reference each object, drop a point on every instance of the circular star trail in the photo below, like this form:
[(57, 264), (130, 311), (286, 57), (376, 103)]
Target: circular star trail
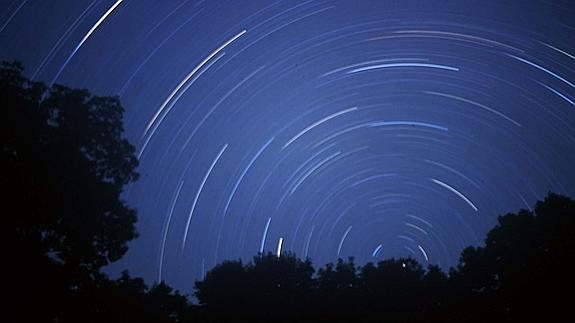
[(372, 129)]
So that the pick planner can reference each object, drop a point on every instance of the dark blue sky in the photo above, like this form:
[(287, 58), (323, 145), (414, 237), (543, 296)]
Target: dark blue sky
[(372, 129)]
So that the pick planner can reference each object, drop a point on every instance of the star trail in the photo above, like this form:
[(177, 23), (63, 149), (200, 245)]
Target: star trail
[(372, 129)]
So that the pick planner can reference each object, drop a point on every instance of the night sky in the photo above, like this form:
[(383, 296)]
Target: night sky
[(372, 129)]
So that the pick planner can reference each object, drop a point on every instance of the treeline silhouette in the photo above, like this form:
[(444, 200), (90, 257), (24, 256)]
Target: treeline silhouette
[(64, 163), (524, 272)]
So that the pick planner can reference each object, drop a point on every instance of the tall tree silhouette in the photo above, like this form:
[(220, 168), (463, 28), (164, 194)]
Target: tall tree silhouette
[(524, 271), (64, 164)]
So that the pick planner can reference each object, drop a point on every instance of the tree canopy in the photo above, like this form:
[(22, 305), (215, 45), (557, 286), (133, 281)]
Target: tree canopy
[(64, 164), (522, 272)]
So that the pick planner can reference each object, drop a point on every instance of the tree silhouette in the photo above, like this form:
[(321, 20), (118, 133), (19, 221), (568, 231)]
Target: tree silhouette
[(260, 290), (336, 294), (223, 286), (64, 164), (130, 300), (277, 281), (522, 272)]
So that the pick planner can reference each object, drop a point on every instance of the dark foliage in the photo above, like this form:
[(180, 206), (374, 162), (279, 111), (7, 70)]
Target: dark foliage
[(522, 273), (64, 163)]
